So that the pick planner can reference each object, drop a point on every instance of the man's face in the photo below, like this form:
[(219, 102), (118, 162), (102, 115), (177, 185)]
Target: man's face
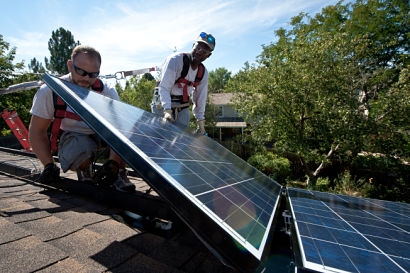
[(200, 52), (84, 69)]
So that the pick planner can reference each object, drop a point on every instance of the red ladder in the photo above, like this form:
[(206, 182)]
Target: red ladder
[(17, 126)]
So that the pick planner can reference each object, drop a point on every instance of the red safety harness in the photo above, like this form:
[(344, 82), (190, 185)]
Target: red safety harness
[(184, 83), (60, 112)]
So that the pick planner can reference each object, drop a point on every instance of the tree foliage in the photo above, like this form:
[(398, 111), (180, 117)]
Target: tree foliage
[(36, 66), (218, 79), (60, 45), (11, 74), (332, 85), (138, 91), (7, 68)]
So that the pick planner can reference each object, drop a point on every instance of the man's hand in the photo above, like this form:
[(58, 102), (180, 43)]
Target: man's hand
[(108, 173), (200, 129), (50, 174), (168, 115)]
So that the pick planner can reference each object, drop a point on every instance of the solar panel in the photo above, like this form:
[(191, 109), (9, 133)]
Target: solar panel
[(228, 204), (339, 233)]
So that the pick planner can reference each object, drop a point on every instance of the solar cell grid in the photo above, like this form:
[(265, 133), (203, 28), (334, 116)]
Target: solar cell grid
[(215, 192), (359, 238)]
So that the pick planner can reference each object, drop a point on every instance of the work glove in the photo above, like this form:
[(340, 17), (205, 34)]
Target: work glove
[(168, 115), (107, 174), (200, 127), (50, 174)]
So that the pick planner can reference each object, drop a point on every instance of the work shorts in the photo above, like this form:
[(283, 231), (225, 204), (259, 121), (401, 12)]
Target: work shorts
[(75, 148)]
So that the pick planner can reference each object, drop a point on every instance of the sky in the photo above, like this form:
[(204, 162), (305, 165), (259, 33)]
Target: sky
[(136, 34)]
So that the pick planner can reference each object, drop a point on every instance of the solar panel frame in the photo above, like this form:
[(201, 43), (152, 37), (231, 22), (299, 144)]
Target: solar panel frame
[(340, 233), (227, 239)]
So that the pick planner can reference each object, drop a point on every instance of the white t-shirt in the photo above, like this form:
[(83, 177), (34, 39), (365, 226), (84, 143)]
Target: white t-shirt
[(171, 71), (43, 107)]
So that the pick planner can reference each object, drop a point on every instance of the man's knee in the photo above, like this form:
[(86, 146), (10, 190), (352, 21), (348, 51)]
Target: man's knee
[(76, 151)]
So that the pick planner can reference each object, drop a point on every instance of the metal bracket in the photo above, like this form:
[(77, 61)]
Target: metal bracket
[(287, 220)]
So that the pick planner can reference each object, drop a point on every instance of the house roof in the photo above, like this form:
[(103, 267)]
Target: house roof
[(73, 227), (220, 98), (226, 122)]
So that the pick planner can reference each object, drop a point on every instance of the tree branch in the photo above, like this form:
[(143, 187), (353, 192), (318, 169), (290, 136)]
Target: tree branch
[(322, 165)]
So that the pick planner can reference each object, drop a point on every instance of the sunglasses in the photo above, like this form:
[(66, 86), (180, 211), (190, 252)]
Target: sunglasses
[(84, 73), (208, 37)]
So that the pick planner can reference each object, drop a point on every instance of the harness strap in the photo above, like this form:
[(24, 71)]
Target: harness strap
[(180, 106), (184, 83), (175, 113), (59, 113), (176, 108)]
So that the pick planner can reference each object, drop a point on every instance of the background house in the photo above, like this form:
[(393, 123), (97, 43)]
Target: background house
[(227, 122)]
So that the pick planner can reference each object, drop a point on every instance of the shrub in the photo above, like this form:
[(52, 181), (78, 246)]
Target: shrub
[(272, 165), (389, 177), (322, 184), (346, 184)]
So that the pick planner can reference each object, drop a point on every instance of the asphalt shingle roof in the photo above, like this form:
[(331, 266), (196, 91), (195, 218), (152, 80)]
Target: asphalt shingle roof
[(46, 229)]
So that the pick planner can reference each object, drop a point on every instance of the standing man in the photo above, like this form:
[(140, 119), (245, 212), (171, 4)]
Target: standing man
[(184, 81), (78, 144)]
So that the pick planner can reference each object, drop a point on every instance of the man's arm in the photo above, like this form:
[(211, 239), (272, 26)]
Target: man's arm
[(171, 68), (39, 140), (200, 96)]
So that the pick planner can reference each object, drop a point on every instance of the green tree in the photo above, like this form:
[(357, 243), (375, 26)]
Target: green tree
[(138, 91), (384, 59), (218, 79), (304, 94), (36, 66), (11, 74), (7, 68), (60, 46)]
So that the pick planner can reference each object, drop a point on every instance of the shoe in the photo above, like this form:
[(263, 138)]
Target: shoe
[(86, 175), (50, 174), (123, 183), (107, 174)]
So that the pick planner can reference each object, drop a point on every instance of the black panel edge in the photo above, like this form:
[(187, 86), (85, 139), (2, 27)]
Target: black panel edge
[(227, 251), (295, 243), (294, 236), (274, 229)]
